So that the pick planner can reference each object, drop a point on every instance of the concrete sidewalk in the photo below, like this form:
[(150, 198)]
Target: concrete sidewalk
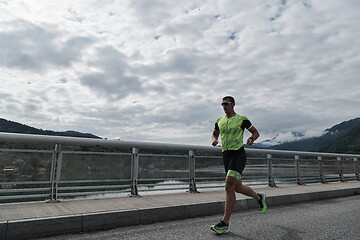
[(39, 219)]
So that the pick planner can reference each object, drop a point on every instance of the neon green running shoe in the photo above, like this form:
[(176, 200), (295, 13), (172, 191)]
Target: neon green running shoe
[(220, 228), (262, 203)]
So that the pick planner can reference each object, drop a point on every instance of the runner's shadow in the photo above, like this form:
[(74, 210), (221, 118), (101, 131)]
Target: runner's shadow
[(231, 235), (291, 233)]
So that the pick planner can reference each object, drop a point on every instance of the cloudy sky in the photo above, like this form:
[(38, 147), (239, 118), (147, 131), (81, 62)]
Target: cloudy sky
[(156, 70)]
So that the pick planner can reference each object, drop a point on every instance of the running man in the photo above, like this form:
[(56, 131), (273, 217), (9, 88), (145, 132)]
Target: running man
[(231, 129)]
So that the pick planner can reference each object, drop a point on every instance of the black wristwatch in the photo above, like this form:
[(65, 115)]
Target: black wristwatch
[(252, 139)]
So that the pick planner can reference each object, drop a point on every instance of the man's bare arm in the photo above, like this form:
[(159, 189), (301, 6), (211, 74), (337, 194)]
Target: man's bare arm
[(215, 137), (255, 135)]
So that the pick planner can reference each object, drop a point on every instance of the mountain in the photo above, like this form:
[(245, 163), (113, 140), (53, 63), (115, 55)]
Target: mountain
[(341, 138), (14, 127), (275, 140), (347, 144)]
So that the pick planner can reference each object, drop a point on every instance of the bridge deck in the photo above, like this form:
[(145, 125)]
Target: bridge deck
[(39, 219)]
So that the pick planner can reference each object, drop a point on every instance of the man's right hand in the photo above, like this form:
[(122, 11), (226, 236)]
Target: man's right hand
[(215, 137)]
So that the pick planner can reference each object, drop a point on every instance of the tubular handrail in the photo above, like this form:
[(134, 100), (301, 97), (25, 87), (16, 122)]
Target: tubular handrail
[(32, 138)]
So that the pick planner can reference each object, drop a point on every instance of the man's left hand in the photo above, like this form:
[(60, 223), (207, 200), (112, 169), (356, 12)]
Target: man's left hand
[(250, 141)]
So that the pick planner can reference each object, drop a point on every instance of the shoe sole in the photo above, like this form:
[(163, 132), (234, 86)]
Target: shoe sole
[(219, 233), (264, 196)]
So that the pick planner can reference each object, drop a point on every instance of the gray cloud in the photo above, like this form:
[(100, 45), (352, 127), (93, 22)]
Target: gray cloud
[(177, 62), (32, 47), (113, 75), (182, 64), (151, 13)]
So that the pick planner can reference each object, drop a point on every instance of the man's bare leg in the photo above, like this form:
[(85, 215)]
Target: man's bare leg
[(233, 185), (246, 190), (230, 184)]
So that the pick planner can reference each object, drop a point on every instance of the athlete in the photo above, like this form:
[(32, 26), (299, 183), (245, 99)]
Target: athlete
[(231, 130)]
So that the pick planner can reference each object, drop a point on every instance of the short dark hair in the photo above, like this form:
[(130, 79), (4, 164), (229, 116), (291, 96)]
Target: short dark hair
[(229, 98)]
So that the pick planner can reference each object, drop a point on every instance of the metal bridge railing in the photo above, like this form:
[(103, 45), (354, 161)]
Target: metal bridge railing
[(67, 167)]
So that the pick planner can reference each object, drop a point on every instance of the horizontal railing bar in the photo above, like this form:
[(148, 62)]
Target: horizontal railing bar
[(262, 177), (285, 178), (93, 187), (24, 196), (257, 184), (24, 190), (161, 184), (287, 182), (314, 154), (93, 181), (214, 157), (210, 177), (211, 182), (24, 183), (329, 160), (202, 187), (90, 193), (309, 178), (163, 189), (289, 159), (17, 137), (25, 150), (163, 155), (97, 153), (162, 179)]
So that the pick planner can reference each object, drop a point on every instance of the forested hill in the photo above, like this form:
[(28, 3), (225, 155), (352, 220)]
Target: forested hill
[(14, 127), (341, 138), (350, 143)]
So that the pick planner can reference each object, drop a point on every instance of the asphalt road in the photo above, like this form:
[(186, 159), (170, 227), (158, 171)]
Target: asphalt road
[(337, 218)]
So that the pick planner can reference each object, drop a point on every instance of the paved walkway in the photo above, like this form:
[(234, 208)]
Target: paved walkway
[(39, 219)]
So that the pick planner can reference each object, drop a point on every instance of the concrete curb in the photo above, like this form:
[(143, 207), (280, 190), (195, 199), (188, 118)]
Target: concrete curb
[(45, 227), (3, 226)]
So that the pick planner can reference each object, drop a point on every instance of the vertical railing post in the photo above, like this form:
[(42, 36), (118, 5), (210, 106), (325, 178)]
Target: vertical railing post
[(52, 172), (55, 174), (271, 181), (340, 169), (321, 172), (299, 180), (134, 172), (59, 158), (54, 161), (357, 176), (192, 183)]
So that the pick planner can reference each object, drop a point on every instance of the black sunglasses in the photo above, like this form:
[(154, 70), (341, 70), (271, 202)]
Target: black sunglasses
[(225, 103)]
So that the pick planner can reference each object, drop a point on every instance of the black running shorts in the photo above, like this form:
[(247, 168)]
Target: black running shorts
[(234, 160)]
